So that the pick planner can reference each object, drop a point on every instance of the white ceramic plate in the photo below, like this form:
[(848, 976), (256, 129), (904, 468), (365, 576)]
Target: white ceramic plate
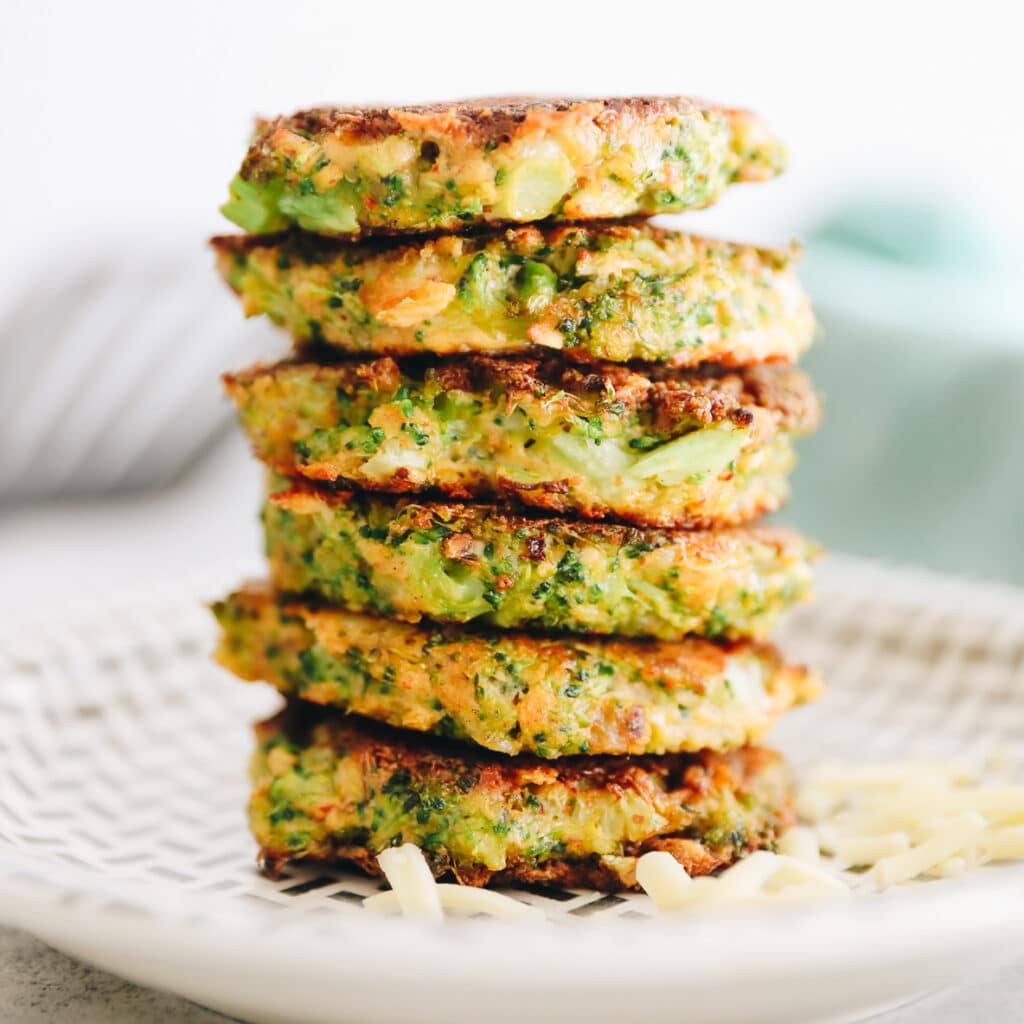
[(122, 838)]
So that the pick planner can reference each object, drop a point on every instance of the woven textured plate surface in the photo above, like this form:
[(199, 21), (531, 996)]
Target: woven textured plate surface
[(122, 837)]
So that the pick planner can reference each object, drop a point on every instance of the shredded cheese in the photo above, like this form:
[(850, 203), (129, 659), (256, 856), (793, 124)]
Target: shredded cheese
[(464, 898), (412, 881), (414, 892), (859, 850), (801, 844), (915, 818), (770, 877), (1003, 843), (801, 893), (743, 880), (947, 841), (902, 821), (664, 879), (790, 873), (949, 868)]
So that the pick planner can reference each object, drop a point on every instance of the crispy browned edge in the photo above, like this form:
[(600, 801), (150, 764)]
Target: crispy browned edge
[(688, 775), (258, 593), (548, 232), (547, 498), (708, 394), (262, 592), (299, 496), (479, 120)]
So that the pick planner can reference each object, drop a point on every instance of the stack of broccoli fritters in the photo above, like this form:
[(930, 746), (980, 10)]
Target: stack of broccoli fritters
[(517, 604)]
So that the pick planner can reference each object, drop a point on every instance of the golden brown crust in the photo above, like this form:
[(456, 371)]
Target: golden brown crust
[(705, 545), (686, 776), (602, 874), (415, 168), (708, 394), (550, 496), (487, 119), (788, 394), (517, 237)]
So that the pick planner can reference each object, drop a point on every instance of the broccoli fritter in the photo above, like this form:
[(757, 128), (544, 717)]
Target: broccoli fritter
[(444, 166), (512, 692), (337, 788), (660, 447), (613, 291), (454, 562)]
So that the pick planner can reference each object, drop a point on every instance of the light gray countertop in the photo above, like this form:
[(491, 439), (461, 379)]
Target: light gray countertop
[(41, 986)]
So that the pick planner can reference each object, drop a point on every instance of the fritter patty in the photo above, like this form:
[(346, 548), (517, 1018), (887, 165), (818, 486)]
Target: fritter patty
[(658, 448), (341, 171), (614, 291), (339, 789), (451, 562), (512, 692)]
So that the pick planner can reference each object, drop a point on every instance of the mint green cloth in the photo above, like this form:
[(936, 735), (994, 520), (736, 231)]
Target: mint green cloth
[(920, 459)]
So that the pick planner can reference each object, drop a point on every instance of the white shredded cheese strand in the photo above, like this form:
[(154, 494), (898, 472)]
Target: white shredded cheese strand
[(761, 877), (905, 820), (919, 817), (828, 838), (952, 868), (817, 804), (1003, 843), (664, 879), (801, 844), (856, 851), (740, 881), (486, 901), (1002, 805), (412, 881), (464, 898), (934, 799), (790, 873), (947, 841), (802, 893)]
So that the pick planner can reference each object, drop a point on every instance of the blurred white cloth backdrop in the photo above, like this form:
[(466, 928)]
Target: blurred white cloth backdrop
[(109, 368), (64, 556)]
